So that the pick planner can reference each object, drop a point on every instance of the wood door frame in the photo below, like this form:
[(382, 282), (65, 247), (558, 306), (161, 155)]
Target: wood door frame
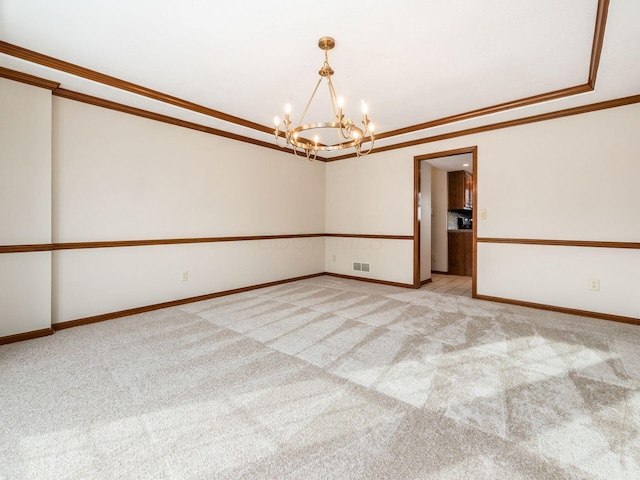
[(416, 221)]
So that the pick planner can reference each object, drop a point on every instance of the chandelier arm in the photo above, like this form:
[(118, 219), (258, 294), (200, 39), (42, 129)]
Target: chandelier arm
[(311, 157), (277, 134), (359, 150), (342, 132), (334, 98), (295, 151), (306, 109), (339, 135)]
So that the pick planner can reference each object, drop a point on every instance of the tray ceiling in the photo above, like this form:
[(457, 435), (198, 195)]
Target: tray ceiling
[(414, 62)]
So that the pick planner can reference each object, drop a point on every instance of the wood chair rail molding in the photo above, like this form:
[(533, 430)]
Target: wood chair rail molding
[(47, 247), (560, 243)]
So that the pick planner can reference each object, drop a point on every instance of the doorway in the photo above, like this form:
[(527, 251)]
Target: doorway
[(436, 223)]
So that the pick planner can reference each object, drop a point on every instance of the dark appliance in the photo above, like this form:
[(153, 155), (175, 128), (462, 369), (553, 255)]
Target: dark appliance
[(464, 223)]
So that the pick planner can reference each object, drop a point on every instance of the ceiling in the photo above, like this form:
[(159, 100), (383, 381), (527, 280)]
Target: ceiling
[(420, 65), (453, 163)]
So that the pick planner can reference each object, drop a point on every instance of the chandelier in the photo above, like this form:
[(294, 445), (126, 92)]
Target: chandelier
[(348, 135)]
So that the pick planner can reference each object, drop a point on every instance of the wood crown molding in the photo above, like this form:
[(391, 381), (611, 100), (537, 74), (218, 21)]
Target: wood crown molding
[(598, 41), (119, 107), (523, 102), (560, 243), (596, 51), (28, 79), (618, 102), (61, 65)]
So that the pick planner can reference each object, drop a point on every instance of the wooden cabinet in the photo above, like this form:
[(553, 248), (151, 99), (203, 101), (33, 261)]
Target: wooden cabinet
[(460, 252), (460, 190)]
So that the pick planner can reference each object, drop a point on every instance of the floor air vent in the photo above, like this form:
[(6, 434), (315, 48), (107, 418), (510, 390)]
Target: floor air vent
[(361, 267)]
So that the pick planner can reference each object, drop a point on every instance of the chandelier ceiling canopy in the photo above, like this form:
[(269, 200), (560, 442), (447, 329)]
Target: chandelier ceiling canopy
[(338, 134)]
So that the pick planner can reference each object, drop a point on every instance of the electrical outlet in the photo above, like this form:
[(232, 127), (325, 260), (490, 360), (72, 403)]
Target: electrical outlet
[(433, 257), (594, 284), (334, 258), (483, 214), (184, 276)]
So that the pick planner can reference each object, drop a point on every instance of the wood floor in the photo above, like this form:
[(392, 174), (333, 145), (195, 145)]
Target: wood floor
[(451, 284)]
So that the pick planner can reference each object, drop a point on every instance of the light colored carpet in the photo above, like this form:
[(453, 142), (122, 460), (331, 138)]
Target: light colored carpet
[(326, 379)]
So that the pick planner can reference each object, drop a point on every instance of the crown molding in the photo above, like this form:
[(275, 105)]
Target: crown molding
[(67, 67), (62, 66), (593, 107), (598, 40), (596, 51), (28, 79), (119, 107)]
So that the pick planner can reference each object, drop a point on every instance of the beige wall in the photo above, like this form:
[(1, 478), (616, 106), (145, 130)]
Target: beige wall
[(440, 203), (426, 220), (365, 196), (121, 177), (25, 207), (93, 174), (117, 176), (573, 178)]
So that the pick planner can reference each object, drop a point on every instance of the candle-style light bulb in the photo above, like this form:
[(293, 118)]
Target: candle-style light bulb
[(287, 111), (340, 102), (365, 108), (276, 121), (372, 127), (315, 140)]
